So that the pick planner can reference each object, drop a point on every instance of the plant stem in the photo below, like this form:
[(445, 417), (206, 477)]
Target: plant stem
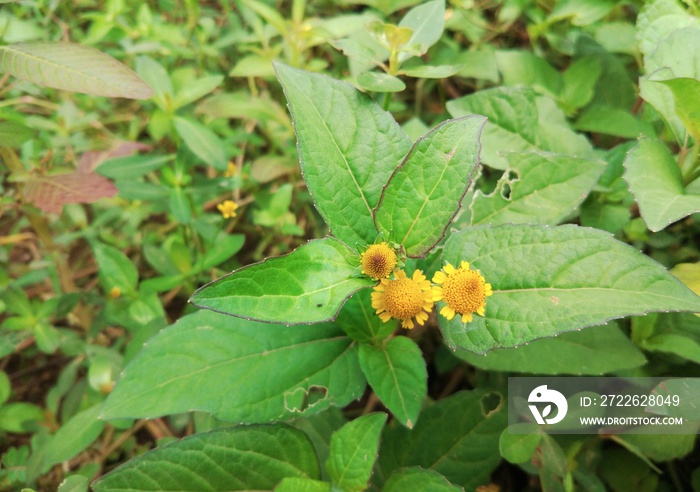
[(387, 100)]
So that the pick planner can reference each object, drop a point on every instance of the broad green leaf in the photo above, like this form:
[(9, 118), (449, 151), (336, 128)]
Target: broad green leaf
[(549, 280), (14, 134), (425, 192), (519, 447), (397, 374), (687, 391), (354, 450), (415, 478), (158, 79), (537, 188), (686, 94), (134, 166), (238, 371), (203, 142), (655, 180), (519, 120), (309, 285), (659, 19), (20, 417), (610, 120), (456, 437), (239, 105), (320, 427), (662, 447), (358, 320), (524, 68), (74, 483), (253, 457), (348, 148), (73, 437), (579, 82), (431, 71), (180, 206), (196, 90), (595, 351), (427, 22), (224, 247), (253, 66), (677, 56), (298, 484), (674, 333), (363, 50), (380, 82), (5, 387), (72, 67), (115, 269), (581, 12)]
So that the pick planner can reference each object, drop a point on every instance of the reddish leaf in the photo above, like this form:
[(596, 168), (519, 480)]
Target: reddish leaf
[(51, 193), (92, 158)]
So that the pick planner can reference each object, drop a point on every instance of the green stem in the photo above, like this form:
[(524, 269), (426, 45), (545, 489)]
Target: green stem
[(387, 100)]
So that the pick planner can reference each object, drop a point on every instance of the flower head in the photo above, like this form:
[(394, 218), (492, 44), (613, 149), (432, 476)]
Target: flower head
[(403, 298), (463, 290), (228, 209), (378, 261)]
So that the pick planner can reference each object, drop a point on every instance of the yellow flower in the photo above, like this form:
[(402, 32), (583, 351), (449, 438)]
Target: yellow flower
[(463, 290), (378, 261), (403, 298), (230, 170), (228, 209)]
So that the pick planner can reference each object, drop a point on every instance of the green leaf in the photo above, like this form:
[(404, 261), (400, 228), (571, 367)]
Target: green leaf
[(675, 333), (239, 371), (5, 387), (73, 437), (348, 148), (14, 134), (677, 56), (115, 269), (358, 320), (354, 450), (196, 90), (609, 120), (309, 285), (20, 417), (688, 392), (298, 484), (425, 192), (380, 82), (523, 68), (158, 79), (398, 377), (134, 166), (180, 206), (595, 351), (686, 94), (74, 483), (244, 458), (431, 71), (661, 447), (320, 427), (655, 180), (427, 21), (549, 280), (203, 142), (579, 82), (537, 188), (456, 437), (414, 478), (72, 67), (518, 447), (659, 19), (519, 120), (581, 12)]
